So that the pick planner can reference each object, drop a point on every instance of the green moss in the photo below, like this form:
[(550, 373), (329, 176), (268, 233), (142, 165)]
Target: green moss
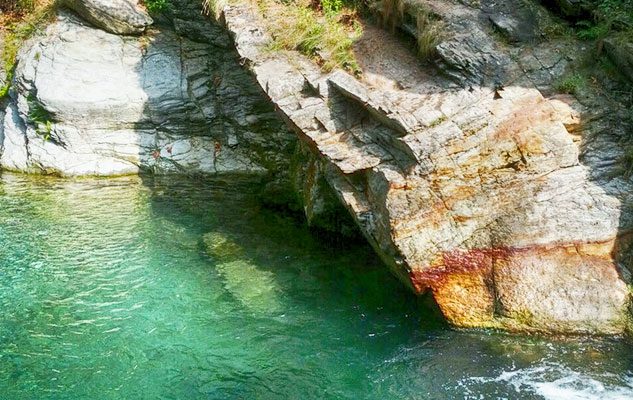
[(438, 121), (524, 317)]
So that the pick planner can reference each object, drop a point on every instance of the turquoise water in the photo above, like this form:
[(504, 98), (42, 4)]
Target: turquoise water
[(141, 289)]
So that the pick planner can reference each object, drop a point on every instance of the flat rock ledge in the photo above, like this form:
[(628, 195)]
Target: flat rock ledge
[(476, 196)]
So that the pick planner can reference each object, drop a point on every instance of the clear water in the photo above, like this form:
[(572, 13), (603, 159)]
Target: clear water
[(139, 289)]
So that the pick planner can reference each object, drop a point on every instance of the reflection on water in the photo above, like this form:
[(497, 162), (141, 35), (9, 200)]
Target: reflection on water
[(141, 289)]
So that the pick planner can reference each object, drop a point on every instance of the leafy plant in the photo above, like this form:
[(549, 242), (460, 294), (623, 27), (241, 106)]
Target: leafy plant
[(591, 31), (616, 12), (607, 16), (40, 117), (571, 84), (331, 6), (157, 6)]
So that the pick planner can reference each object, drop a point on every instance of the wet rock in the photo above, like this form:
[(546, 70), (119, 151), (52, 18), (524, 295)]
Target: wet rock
[(255, 288), (122, 17)]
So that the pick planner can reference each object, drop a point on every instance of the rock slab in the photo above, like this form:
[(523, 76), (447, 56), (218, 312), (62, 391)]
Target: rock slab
[(122, 17), (473, 193)]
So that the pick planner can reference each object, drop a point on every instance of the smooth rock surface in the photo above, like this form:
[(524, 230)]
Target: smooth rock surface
[(87, 102), (123, 17)]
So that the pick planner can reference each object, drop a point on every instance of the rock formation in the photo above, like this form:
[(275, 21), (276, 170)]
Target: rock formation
[(115, 16), (473, 191), (470, 179), (88, 102)]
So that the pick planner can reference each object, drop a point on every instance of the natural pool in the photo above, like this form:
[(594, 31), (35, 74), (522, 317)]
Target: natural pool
[(136, 288)]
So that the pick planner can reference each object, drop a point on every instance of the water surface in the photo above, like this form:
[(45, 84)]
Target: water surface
[(134, 288)]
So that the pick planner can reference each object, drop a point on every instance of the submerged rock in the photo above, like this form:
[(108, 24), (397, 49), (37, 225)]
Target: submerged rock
[(123, 17), (255, 288)]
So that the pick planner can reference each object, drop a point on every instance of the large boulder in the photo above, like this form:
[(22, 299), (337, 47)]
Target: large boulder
[(475, 193), (87, 102), (123, 17)]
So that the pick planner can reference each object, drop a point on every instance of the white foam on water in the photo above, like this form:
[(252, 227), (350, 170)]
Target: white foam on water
[(556, 382)]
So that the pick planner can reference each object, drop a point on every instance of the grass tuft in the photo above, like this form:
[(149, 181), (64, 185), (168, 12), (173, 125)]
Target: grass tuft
[(324, 30), (429, 33), (426, 26), (27, 16), (157, 6), (326, 36), (572, 83)]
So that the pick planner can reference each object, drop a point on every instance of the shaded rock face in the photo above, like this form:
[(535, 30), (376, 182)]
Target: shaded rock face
[(115, 16), (473, 192), (620, 51), (88, 102), (572, 8)]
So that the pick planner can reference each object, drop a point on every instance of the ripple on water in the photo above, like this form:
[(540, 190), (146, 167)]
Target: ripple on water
[(139, 288)]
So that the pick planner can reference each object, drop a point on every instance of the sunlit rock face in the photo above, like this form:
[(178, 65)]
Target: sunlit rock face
[(116, 16), (88, 102), (467, 187)]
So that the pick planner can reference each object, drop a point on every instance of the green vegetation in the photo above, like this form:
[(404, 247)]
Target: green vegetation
[(24, 18), (429, 32), (591, 31), (438, 121), (428, 26), (157, 6), (608, 17), (572, 83), (618, 13), (324, 30), (40, 117), (326, 33)]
